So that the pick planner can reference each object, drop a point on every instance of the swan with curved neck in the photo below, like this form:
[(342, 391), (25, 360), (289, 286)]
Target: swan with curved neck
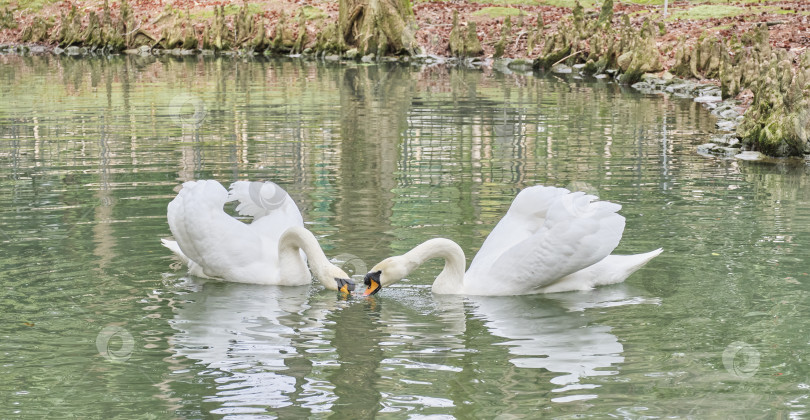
[(293, 271), (550, 240), (267, 251)]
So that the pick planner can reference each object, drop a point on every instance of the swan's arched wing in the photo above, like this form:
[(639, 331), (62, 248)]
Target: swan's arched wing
[(526, 215), (176, 217), (566, 233), (259, 199), (273, 210), (221, 245)]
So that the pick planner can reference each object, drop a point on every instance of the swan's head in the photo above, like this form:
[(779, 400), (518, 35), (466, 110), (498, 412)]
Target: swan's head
[(387, 272), (342, 281), (344, 285)]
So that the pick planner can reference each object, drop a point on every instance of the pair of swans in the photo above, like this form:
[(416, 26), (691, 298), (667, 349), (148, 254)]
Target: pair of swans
[(550, 240)]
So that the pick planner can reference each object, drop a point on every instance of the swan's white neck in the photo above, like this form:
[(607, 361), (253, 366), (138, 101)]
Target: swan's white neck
[(451, 279), (290, 244)]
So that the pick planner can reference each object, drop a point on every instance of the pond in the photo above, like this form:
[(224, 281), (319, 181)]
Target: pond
[(97, 319)]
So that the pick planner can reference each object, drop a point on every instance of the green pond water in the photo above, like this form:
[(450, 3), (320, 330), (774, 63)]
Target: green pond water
[(98, 320)]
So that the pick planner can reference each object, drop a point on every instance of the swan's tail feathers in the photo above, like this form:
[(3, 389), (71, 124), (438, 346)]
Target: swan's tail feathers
[(610, 270), (625, 265), (172, 245), (258, 199)]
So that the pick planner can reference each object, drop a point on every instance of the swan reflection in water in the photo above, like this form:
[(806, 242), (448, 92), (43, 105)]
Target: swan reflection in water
[(303, 351), (548, 333), (556, 334), (259, 343)]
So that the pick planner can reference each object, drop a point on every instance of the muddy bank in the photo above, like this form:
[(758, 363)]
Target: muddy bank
[(762, 75)]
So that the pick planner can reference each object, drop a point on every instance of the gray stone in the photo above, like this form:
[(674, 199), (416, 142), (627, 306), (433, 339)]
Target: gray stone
[(728, 114), (708, 99), (332, 57), (435, 59), (522, 65), (724, 139), (711, 91), (726, 151), (560, 68), (678, 88), (750, 155), (716, 150), (642, 86), (726, 125)]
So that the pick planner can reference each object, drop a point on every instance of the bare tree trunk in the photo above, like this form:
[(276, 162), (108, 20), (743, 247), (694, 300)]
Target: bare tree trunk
[(378, 26)]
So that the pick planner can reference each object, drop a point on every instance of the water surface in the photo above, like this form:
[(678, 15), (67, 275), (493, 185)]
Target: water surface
[(97, 319)]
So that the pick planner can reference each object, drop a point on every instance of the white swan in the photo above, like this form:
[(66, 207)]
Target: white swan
[(550, 240), (267, 251)]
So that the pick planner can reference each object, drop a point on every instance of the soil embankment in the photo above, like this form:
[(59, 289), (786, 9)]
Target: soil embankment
[(752, 55)]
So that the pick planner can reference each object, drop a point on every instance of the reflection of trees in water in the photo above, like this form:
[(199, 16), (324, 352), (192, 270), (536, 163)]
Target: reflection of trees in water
[(278, 120), (357, 341)]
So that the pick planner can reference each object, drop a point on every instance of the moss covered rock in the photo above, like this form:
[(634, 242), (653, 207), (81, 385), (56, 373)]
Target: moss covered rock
[(778, 121), (464, 40)]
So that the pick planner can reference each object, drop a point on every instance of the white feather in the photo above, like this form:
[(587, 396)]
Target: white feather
[(270, 250), (550, 240)]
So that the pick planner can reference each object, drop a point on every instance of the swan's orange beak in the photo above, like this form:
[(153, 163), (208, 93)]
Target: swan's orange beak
[(372, 288), (345, 286), (372, 282)]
